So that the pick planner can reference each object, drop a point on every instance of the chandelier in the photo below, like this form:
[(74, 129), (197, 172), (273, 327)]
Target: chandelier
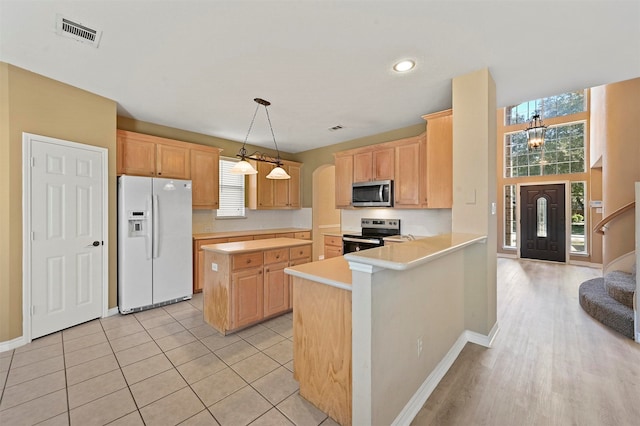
[(535, 132), (243, 167)]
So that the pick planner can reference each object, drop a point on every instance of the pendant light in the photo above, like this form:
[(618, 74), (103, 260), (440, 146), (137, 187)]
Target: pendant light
[(243, 167), (535, 132)]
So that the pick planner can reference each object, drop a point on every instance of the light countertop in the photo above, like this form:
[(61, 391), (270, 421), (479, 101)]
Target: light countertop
[(413, 253), (334, 272), (227, 234), (255, 245)]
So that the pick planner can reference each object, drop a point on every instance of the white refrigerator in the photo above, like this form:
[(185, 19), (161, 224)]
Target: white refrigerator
[(154, 242)]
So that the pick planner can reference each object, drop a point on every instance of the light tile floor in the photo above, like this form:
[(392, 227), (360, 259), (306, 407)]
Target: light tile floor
[(161, 366)]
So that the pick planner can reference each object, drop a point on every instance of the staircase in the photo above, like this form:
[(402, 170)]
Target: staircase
[(610, 300)]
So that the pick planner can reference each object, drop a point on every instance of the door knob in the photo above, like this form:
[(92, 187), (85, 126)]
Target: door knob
[(96, 243)]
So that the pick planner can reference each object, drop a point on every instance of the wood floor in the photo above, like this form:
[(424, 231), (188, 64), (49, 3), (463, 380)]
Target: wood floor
[(551, 363)]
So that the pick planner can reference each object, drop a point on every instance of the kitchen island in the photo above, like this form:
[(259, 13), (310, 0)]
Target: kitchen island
[(245, 283), (375, 331)]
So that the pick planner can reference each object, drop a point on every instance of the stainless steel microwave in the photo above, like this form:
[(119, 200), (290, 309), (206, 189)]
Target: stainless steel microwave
[(377, 193)]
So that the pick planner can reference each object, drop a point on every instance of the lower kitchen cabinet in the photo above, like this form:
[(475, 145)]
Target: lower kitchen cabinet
[(247, 297), (246, 288), (332, 246), (276, 289)]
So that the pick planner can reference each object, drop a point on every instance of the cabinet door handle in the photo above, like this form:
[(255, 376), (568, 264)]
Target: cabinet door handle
[(248, 261)]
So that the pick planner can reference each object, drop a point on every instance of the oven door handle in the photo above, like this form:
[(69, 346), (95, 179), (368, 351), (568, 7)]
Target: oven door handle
[(358, 240)]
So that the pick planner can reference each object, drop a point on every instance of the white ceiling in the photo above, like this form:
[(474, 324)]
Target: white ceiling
[(197, 65)]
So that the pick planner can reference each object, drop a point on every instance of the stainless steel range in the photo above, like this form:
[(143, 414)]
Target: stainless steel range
[(372, 235)]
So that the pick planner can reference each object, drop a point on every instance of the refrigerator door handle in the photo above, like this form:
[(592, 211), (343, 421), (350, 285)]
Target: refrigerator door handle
[(156, 227), (147, 235)]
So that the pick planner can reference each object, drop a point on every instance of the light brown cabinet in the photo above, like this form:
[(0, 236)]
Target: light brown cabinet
[(138, 154), (198, 261), (198, 253), (145, 155), (422, 166), (407, 180), (297, 256), (436, 188), (273, 194), (205, 166), (344, 179), (245, 288), (332, 246), (276, 283), (376, 164)]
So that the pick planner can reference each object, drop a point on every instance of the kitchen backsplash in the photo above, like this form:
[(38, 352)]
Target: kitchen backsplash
[(422, 223), (205, 220)]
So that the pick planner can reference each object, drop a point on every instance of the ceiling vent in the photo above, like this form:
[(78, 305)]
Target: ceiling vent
[(334, 128), (68, 28)]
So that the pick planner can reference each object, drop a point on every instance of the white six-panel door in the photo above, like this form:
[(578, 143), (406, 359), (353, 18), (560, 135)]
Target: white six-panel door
[(67, 234)]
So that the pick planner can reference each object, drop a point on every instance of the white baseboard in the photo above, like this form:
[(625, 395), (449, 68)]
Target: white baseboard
[(481, 339), (12, 344), (22, 340), (415, 404), (113, 311)]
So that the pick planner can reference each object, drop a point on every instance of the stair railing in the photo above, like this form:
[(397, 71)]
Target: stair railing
[(600, 227)]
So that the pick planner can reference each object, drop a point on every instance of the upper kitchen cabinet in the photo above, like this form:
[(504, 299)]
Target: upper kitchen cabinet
[(146, 155), (420, 166), (205, 165), (436, 187), (274, 194), (344, 179), (408, 177), (371, 165)]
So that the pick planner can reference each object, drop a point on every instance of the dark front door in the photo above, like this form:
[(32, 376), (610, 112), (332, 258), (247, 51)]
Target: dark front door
[(542, 222)]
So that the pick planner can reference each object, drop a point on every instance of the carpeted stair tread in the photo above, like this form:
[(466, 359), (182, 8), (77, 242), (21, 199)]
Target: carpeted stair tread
[(596, 301), (621, 286)]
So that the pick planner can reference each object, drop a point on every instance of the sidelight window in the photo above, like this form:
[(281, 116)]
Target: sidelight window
[(510, 225)]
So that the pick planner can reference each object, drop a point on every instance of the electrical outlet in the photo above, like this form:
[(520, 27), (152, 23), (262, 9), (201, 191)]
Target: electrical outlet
[(419, 345), (214, 266)]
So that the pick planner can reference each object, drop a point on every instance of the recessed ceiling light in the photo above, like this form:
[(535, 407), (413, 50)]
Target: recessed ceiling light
[(404, 66)]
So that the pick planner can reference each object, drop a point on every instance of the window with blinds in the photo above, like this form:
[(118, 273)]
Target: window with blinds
[(231, 190)]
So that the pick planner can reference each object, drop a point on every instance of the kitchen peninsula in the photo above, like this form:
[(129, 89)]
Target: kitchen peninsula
[(375, 331), (245, 283)]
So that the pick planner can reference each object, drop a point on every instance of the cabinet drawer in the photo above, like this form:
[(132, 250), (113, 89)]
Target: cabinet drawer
[(303, 235), (300, 261), (247, 260), (300, 252), (276, 255), (331, 240)]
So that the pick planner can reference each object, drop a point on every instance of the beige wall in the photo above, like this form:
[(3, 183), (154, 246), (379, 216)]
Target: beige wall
[(620, 161), (474, 189), (35, 104)]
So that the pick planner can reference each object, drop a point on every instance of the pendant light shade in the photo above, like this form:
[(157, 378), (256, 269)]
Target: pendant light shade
[(278, 173), (243, 167)]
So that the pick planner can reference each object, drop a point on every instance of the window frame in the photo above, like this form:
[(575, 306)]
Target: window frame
[(222, 167)]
